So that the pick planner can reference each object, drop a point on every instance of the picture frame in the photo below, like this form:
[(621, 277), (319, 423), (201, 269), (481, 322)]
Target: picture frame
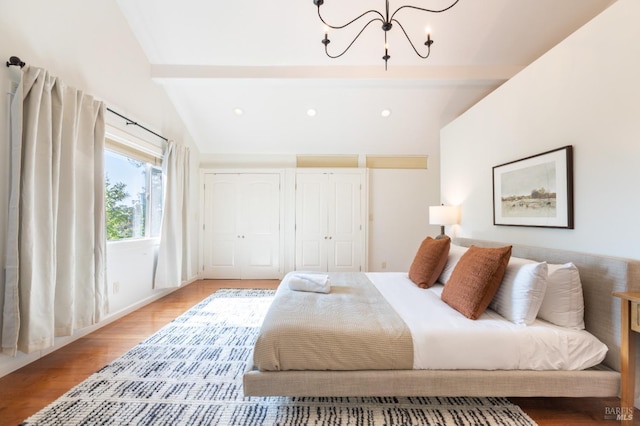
[(535, 191)]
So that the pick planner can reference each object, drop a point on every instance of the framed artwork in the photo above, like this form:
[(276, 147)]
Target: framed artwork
[(535, 191)]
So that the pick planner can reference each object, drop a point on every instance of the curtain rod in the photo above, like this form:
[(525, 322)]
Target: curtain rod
[(15, 61), (129, 121)]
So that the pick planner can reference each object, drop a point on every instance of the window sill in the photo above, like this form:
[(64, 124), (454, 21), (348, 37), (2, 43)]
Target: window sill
[(134, 242)]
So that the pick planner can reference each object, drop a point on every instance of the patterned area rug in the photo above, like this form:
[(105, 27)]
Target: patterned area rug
[(190, 373)]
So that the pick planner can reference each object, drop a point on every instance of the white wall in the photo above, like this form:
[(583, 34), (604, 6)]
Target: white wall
[(89, 45), (585, 93), (399, 203)]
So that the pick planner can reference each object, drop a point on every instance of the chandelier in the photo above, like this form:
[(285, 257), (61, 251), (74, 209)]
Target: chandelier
[(387, 20)]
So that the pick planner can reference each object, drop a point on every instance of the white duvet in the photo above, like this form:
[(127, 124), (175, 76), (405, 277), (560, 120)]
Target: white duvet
[(445, 339)]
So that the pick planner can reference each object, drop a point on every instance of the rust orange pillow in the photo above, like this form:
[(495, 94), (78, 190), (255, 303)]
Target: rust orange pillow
[(476, 279), (429, 261)]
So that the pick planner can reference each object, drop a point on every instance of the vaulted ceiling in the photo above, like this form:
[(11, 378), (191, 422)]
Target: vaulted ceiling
[(266, 59)]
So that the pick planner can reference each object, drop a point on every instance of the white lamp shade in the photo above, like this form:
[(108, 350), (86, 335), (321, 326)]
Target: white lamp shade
[(444, 215)]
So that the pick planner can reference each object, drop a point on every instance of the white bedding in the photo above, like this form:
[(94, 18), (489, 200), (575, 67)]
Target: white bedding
[(445, 339)]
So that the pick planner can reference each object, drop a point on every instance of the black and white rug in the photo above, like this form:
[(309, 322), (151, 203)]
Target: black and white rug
[(190, 373)]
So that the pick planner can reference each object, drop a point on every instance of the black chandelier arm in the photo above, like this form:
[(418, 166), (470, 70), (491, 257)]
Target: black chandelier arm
[(423, 10), (352, 41), (339, 27), (411, 43), (388, 20)]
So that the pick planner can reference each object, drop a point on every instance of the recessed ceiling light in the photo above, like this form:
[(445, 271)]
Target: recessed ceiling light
[(311, 112), (385, 113), (238, 111)]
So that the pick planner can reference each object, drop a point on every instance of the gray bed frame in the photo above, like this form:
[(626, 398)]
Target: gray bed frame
[(600, 276)]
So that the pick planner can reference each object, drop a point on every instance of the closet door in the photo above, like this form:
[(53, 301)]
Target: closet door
[(311, 222), (328, 221), (222, 238), (241, 226), (344, 226), (260, 225)]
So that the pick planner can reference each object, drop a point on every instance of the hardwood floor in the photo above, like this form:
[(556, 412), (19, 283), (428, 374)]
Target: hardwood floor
[(24, 392)]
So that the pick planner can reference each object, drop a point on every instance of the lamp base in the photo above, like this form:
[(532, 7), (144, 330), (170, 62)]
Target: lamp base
[(442, 235)]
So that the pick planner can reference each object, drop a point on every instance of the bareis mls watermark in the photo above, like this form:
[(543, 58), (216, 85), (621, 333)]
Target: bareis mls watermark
[(618, 413)]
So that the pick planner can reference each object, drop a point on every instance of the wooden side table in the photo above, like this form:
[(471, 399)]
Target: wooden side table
[(630, 316)]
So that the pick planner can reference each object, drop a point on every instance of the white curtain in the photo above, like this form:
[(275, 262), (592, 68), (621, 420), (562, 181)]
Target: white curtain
[(55, 265), (172, 267)]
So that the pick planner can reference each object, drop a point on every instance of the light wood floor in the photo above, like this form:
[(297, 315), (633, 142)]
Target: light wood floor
[(31, 388)]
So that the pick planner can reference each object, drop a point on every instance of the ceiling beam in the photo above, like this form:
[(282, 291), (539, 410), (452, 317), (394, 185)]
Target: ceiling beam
[(432, 74)]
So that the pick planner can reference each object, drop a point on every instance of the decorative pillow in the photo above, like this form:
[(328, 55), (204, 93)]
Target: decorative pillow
[(563, 303), (455, 253), (476, 279), (520, 294), (429, 261)]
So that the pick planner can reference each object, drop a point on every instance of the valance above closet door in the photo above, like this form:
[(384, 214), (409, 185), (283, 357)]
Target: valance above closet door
[(55, 266)]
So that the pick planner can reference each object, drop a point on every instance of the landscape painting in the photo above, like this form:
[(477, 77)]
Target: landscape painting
[(535, 191)]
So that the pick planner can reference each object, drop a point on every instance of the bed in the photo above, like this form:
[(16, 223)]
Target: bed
[(600, 277)]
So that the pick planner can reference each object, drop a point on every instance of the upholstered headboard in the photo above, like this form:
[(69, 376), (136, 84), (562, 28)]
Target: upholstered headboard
[(600, 276)]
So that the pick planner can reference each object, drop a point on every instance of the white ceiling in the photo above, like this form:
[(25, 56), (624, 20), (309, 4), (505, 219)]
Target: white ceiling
[(266, 58)]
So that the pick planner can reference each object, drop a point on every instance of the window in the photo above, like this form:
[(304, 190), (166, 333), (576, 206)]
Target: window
[(133, 193)]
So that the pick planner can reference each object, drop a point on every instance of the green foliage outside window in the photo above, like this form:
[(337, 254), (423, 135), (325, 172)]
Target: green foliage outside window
[(119, 215), (127, 216)]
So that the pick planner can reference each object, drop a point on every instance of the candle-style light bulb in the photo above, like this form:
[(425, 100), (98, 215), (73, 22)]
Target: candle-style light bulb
[(326, 40), (429, 42), (386, 56)]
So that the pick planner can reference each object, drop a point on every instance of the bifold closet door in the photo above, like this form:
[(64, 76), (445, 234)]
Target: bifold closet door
[(241, 225), (343, 250), (328, 228), (260, 222), (311, 222)]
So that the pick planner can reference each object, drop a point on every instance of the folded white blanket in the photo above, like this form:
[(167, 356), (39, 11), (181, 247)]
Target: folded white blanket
[(318, 283)]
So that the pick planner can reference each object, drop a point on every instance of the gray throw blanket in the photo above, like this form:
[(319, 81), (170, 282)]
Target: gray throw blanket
[(352, 327)]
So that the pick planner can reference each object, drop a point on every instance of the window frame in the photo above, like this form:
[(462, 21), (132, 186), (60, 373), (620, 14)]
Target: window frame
[(151, 155)]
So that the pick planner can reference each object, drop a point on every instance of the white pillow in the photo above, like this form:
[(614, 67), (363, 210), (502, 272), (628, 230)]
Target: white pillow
[(455, 253), (563, 303), (522, 290)]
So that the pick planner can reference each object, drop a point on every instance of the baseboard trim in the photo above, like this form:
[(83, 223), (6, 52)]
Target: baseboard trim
[(10, 364)]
